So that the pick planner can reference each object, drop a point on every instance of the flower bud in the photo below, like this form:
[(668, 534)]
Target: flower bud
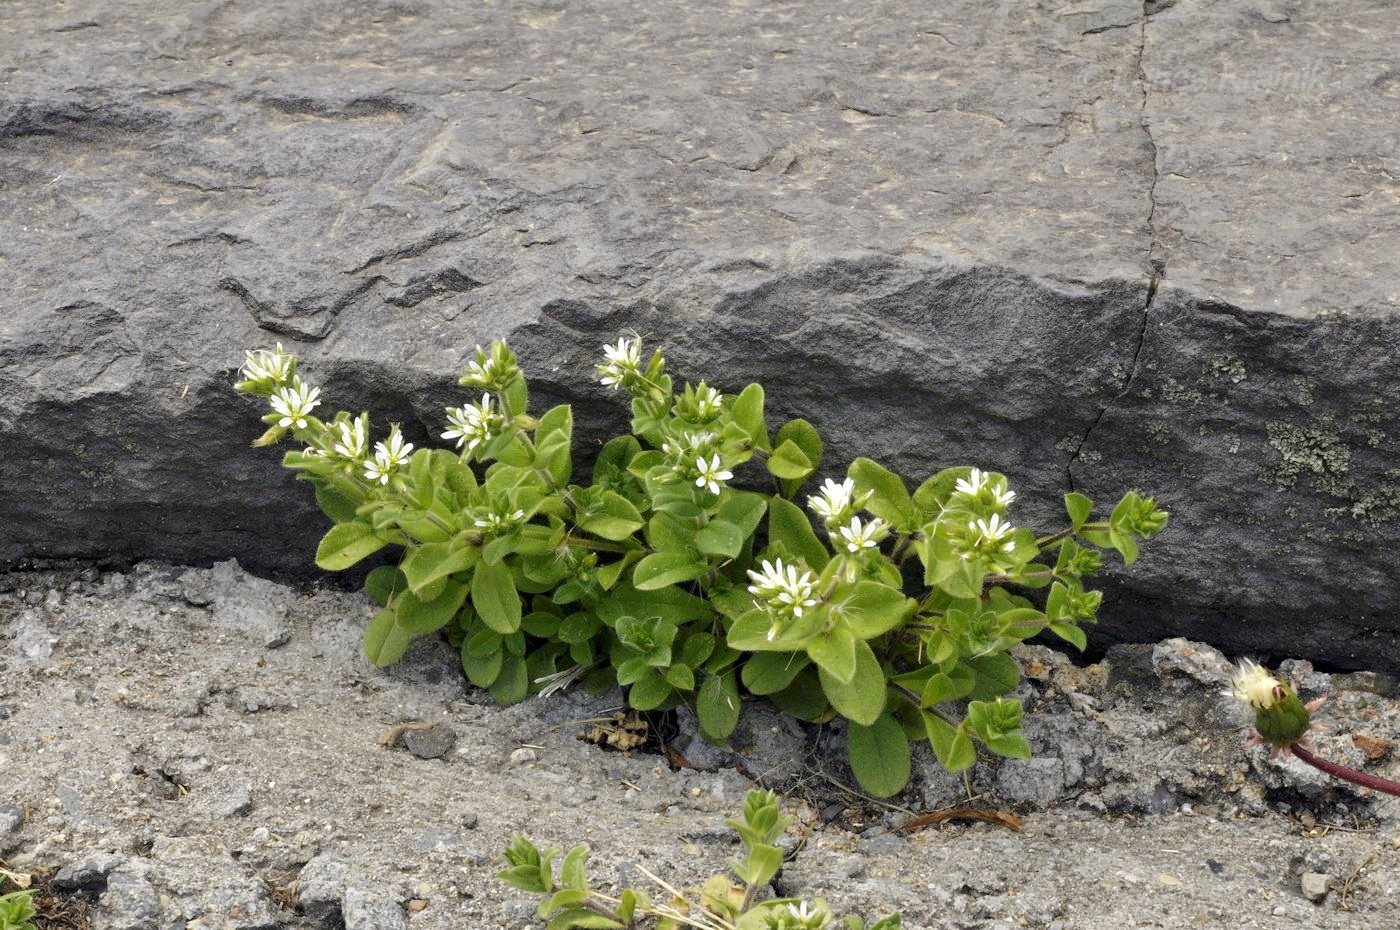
[(1280, 717)]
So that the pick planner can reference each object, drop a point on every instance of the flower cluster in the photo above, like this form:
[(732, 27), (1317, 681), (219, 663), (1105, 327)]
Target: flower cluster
[(294, 402), (699, 403), (987, 538), (785, 591), (492, 370), (798, 916), (389, 457), (473, 425), (837, 503), (982, 490), (265, 370), (622, 363), (493, 521), (856, 536)]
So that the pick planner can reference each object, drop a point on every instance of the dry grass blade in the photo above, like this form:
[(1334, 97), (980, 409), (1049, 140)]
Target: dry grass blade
[(975, 814)]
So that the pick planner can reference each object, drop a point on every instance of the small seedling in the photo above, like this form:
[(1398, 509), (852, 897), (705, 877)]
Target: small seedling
[(722, 902)]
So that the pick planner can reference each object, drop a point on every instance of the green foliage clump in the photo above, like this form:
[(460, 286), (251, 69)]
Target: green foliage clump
[(894, 609), (17, 910), (718, 904)]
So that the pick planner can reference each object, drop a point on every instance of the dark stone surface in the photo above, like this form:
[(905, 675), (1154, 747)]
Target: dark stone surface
[(931, 229)]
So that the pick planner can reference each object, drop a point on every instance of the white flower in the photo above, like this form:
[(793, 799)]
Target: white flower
[(808, 916), (711, 474), (687, 444), (1253, 685), (978, 481), (267, 365), (294, 403), (621, 360), (353, 438), (708, 401), (472, 425), (857, 536), (785, 590), (836, 502), (497, 522), (990, 532), (389, 457)]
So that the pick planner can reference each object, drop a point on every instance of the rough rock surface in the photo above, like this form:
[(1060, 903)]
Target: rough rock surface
[(126, 749), (1097, 244)]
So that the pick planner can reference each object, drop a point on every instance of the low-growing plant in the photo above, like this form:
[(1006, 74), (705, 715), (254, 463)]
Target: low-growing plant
[(17, 910), (719, 904), (896, 610)]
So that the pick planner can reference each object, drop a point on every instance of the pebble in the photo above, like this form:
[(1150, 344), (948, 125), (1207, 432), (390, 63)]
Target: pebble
[(1315, 886), (89, 873), (522, 755), (432, 743), (11, 818)]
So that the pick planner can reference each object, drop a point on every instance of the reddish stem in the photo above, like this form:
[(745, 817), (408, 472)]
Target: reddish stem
[(1336, 770)]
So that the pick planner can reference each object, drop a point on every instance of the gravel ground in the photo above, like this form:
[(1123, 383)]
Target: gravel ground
[(201, 749)]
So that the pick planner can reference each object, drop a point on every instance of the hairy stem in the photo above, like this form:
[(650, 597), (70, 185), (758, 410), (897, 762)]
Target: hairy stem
[(1337, 770)]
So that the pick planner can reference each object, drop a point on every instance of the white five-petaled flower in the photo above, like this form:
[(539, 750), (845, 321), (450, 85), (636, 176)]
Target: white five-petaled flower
[(472, 424), (1253, 685), (786, 591), (294, 403), (353, 439), (389, 457), (836, 502), (711, 474), (267, 365), (621, 360), (991, 531), (496, 522), (980, 480), (856, 535), (805, 914), (708, 401)]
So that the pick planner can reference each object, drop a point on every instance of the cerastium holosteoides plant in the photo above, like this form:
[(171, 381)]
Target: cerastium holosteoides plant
[(721, 903), (895, 611)]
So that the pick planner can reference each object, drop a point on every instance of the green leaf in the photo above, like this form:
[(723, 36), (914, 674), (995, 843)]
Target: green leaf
[(717, 706), (667, 568), (748, 414), (804, 698), (951, 744), (513, 684), (385, 639), (743, 509), (835, 652), (335, 504), (889, 498), (805, 436), (952, 685), (671, 604), (769, 672), (649, 691), (873, 609), (433, 561), (863, 697), (495, 597), (1079, 508), (720, 538), (577, 918), (614, 518), (482, 671), (681, 677), (997, 673), (791, 531), (1070, 633), (418, 616), (346, 544), (788, 461), (998, 725), (879, 755), (571, 873), (382, 582)]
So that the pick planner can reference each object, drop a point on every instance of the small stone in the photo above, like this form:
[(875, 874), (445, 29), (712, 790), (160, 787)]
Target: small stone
[(366, 909), (432, 743), (1315, 886), (470, 820), (321, 888), (237, 803), (89, 873), (11, 818), (129, 903), (522, 755)]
